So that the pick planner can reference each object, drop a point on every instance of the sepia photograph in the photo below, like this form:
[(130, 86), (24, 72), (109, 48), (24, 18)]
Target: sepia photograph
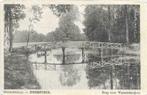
[(69, 46)]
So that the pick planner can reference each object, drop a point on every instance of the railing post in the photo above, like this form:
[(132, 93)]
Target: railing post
[(101, 53)]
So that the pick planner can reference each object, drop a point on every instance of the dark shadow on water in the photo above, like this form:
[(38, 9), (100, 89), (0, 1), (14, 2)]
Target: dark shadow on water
[(69, 75), (99, 77)]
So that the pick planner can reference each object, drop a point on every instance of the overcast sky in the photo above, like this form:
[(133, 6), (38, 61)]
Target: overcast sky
[(49, 21)]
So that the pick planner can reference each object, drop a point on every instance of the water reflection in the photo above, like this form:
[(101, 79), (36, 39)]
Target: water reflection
[(129, 76), (69, 75), (126, 76), (82, 75), (98, 77)]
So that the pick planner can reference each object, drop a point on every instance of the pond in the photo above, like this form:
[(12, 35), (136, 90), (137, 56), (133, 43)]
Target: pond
[(80, 76)]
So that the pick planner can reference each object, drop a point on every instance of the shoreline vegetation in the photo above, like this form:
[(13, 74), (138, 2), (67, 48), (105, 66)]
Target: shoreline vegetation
[(18, 73)]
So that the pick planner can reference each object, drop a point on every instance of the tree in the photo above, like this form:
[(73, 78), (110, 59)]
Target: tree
[(67, 28), (120, 23), (113, 23), (13, 13), (59, 10), (96, 23), (126, 26), (36, 15)]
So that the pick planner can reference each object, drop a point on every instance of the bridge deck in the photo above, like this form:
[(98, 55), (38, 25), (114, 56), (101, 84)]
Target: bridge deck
[(71, 44)]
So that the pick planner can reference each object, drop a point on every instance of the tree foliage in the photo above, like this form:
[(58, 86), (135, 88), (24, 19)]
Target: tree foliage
[(112, 20), (95, 23), (59, 10), (13, 13), (34, 18), (67, 29)]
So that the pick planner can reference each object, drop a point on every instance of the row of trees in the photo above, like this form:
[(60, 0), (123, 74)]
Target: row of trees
[(118, 23), (113, 23), (15, 12), (22, 36), (67, 29)]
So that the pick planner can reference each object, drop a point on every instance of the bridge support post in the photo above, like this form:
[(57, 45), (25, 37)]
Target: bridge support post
[(45, 59), (83, 55), (63, 53), (45, 56), (35, 47), (36, 66)]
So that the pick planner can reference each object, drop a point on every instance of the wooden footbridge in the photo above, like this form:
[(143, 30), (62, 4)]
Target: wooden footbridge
[(105, 50)]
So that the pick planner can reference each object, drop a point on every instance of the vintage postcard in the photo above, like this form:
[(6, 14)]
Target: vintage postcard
[(73, 48)]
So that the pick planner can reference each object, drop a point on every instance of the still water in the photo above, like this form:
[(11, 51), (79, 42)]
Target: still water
[(78, 76), (75, 76), (72, 76)]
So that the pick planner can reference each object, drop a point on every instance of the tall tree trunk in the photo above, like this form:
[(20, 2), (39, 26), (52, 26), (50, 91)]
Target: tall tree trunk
[(10, 35), (109, 39), (126, 24), (109, 30), (127, 41), (9, 29), (6, 36), (28, 37)]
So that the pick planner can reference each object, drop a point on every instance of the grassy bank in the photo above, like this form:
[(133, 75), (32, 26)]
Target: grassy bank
[(18, 73)]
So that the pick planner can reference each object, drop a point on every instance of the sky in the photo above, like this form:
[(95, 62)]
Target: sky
[(49, 21)]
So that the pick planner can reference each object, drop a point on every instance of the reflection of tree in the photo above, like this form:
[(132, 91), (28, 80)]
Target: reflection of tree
[(69, 76), (97, 76), (128, 81)]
